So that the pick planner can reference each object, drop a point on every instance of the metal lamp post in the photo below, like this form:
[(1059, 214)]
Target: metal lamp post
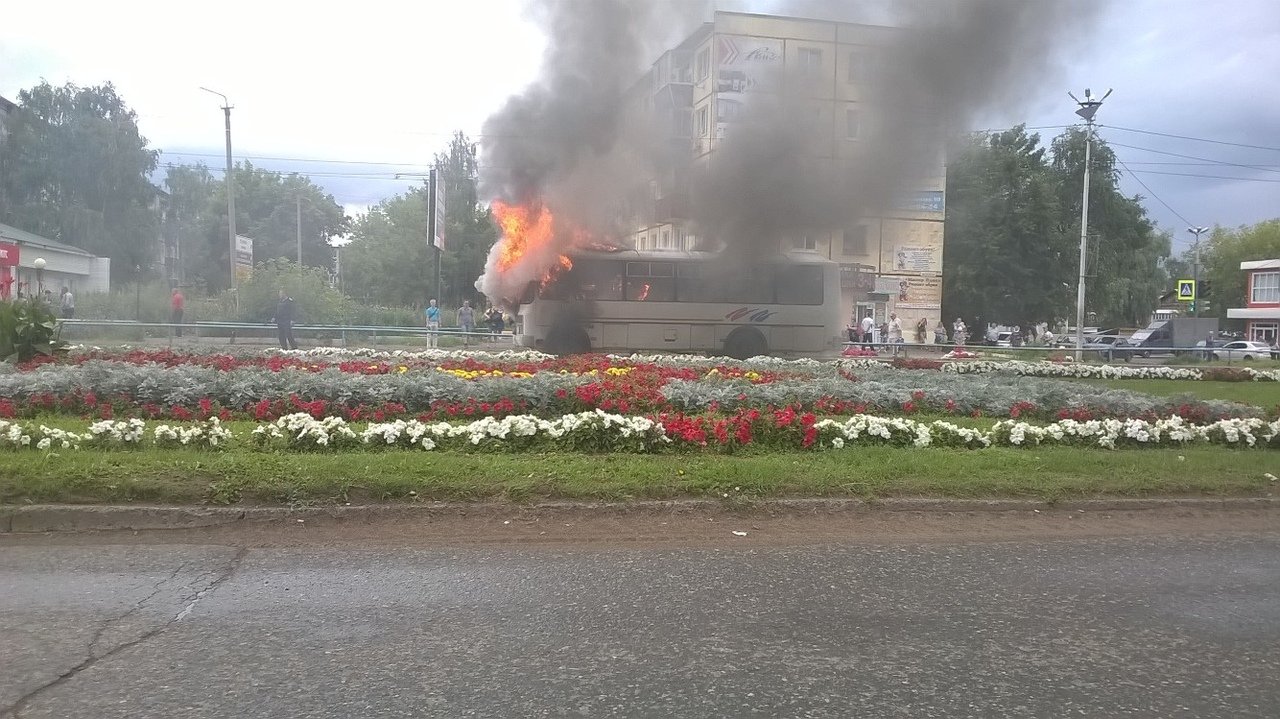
[(1088, 108), (39, 265)]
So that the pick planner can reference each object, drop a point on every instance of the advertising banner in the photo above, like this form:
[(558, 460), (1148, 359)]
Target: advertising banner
[(919, 293), (911, 246)]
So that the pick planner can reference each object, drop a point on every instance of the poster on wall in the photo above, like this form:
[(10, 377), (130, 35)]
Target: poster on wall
[(909, 258), (919, 293), (912, 246)]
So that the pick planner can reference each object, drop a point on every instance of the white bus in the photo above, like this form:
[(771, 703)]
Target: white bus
[(630, 301)]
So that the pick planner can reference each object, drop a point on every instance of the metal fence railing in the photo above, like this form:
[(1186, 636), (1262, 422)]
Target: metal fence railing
[(1090, 353), (251, 333)]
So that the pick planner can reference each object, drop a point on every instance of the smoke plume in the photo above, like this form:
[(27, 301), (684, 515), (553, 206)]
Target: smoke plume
[(572, 141)]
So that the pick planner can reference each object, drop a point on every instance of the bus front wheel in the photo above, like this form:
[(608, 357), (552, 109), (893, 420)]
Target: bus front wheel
[(745, 343)]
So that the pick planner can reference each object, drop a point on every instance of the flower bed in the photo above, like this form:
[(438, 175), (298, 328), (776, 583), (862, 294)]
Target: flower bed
[(604, 432), (435, 385), (1084, 371)]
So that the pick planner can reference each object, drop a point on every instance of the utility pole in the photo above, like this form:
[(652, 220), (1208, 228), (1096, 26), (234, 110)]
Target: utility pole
[(298, 217), (1195, 268), (231, 195), (1088, 108)]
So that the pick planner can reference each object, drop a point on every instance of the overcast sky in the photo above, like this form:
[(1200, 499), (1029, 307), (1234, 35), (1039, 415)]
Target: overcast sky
[(388, 82)]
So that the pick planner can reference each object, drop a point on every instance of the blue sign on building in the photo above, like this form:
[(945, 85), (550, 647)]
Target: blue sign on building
[(924, 201)]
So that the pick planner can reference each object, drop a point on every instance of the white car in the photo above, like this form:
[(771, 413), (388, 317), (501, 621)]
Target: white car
[(1243, 350)]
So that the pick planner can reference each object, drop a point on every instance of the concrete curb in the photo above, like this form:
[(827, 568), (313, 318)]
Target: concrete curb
[(78, 518)]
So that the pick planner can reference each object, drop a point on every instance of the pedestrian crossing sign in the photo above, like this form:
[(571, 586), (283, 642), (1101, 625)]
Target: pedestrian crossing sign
[(1186, 290)]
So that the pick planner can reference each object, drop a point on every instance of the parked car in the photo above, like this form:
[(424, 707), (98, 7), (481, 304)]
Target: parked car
[(1114, 348), (1243, 350)]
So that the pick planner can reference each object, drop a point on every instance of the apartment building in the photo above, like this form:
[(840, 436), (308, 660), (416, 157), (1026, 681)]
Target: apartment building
[(891, 261)]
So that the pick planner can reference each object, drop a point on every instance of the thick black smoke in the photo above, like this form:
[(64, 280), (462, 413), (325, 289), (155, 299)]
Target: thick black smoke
[(572, 141)]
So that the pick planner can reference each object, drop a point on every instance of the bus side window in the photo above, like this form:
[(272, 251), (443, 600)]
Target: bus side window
[(800, 285), (695, 284), (651, 282), (754, 286), (600, 279)]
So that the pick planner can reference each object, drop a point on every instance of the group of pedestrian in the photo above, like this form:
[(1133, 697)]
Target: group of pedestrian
[(493, 318)]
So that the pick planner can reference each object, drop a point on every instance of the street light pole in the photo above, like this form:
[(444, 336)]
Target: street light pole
[(1088, 108), (231, 195), (1195, 268)]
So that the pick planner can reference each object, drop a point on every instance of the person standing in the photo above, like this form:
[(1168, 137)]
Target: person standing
[(894, 331), (433, 323), (868, 329), (284, 321), (466, 321), (922, 330), (940, 334), (497, 323), (67, 304), (177, 304)]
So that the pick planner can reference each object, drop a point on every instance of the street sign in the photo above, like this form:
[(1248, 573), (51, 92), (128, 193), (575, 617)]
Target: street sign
[(1186, 290)]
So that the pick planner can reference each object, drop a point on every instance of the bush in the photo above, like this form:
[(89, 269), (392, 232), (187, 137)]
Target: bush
[(27, 328)]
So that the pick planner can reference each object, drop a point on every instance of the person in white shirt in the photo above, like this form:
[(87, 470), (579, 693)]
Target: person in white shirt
[(868, 329), (895, 331)]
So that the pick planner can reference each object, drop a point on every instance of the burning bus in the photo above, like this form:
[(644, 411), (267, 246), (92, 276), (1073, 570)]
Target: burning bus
[(571, 294)]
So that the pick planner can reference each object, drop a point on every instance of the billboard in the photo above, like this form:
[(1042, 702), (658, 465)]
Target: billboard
[(438, 208), (745, 65), (8, 255), (244, 257)]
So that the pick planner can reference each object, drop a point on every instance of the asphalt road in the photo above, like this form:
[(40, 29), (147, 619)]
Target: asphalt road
[(1155, 625)]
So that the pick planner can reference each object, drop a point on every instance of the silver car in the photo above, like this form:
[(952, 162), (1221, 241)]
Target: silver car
[(1243, 350)]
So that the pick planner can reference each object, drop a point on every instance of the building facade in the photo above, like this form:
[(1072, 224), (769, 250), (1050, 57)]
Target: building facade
[(890, 261), (64, 266), (1261, 312)]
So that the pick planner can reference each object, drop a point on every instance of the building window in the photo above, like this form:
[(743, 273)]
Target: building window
[(704, 122), (1266, 288), (857, 66), (807, 242), (855, 241), (811, 59), (852, 123), (704, 64)]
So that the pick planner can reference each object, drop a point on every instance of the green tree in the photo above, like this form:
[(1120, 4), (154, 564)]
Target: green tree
[(266, 206), (190, 213), (1225, 250), (1008, 259), (1127, 251), (390, 261), (75, 168)]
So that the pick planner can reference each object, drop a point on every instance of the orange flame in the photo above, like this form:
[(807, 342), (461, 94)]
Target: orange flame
[(526, 230)]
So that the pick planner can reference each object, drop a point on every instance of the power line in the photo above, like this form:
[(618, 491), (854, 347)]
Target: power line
[(1210, 160), (1193, 139), (1154, 195), (1206, 177)]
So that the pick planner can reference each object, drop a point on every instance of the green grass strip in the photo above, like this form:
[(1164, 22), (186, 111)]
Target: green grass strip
[(239, 476)]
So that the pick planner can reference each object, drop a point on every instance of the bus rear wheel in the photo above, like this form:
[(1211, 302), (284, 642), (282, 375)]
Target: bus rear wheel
[(568, 340), (745, 343)]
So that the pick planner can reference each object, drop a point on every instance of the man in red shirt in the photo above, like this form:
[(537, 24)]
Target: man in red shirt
[(176, 304)]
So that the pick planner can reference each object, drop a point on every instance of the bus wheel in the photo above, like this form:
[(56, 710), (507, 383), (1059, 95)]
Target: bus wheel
[(745, 343), (568, 340)]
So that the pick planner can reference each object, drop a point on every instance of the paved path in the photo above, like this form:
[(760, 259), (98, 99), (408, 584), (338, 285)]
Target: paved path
[(1144, 625)]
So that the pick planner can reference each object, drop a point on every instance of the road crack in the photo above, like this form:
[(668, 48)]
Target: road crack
[(207, 582)]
